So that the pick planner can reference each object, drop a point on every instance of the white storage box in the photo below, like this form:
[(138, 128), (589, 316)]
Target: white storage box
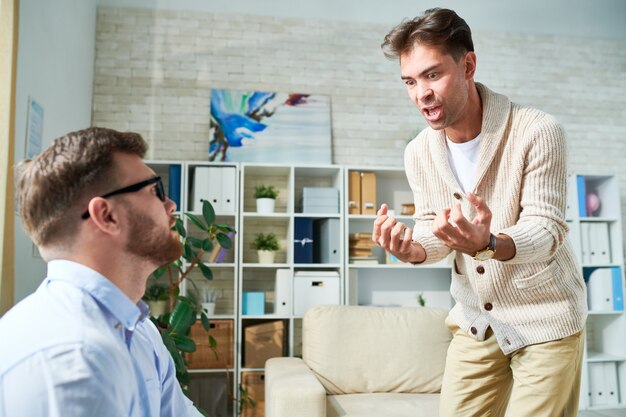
[(320, 200), (312, 288)]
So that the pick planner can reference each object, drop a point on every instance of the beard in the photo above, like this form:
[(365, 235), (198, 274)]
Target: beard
[(151, 242)]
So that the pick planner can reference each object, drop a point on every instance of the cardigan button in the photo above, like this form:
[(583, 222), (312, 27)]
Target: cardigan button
[(473, 330), (480, 269), (488, 306)]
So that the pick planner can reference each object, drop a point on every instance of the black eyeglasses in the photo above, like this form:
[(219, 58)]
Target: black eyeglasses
[(160, 191)]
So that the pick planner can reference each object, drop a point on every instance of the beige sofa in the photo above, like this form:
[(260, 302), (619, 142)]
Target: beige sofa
[(362, 362)]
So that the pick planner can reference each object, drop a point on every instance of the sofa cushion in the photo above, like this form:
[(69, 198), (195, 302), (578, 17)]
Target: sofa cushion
[(379, 405), (355, 349)]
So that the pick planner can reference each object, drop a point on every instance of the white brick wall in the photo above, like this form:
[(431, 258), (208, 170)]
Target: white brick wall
[(154, 71)]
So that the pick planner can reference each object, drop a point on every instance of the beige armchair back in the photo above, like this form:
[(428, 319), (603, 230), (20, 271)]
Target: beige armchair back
[(355, 349)]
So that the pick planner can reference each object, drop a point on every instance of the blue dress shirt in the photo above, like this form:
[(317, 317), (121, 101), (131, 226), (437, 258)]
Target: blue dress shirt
[(159, 372), (67, 350)]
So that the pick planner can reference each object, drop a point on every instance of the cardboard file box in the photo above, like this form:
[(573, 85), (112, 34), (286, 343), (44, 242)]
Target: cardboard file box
[(263, 341), (204, 356), (368, 193), (320, 200), (255, 383), (354, 192), (313, 288)]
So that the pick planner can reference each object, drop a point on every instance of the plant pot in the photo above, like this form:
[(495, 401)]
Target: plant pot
[(158, 308), (266, 256), (209, 307), (265, 205)]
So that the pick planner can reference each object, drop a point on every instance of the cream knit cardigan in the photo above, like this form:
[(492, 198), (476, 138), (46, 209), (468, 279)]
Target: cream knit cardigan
[(539, 295)]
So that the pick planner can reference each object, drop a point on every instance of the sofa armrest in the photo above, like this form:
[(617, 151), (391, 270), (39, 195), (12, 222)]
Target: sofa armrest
[(292, 389)]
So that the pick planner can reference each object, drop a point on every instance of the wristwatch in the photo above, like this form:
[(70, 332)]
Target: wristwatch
[(488, 252)]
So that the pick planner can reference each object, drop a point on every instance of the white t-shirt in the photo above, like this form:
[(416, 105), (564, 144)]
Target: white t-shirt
[(463, 158)]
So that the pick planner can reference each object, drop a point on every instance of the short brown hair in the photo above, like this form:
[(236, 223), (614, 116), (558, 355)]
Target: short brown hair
[(435, 27), (54, 187)]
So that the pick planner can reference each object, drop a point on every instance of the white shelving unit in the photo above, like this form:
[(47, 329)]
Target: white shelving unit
[(598, 241), (390, 283), (382, 283), (286, 325), (209, 386)]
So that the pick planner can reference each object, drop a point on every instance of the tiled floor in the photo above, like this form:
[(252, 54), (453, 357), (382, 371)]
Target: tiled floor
[(603, 413)]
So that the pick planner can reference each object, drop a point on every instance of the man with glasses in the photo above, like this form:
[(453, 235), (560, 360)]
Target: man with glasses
[(81, 344)]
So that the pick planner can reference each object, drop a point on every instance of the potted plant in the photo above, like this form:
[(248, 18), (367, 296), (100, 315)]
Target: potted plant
[(266, 246), (157, 297), (265, 198), (209, 299), (185, 310)]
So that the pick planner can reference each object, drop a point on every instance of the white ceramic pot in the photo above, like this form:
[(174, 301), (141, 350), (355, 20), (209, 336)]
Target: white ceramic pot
[(158, 308), (266, 256), (209, 307), (265, 205)]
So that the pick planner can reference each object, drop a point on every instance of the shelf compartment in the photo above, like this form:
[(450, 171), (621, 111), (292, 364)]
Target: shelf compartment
[(222, 286), (280, 226), (262, 340), (210, 391), (277, 176), (367, 286)]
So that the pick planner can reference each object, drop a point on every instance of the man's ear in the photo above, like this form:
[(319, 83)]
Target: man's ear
[(104, 215), (470, 65)]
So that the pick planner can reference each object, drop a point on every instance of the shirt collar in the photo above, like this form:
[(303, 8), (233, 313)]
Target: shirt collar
[(101, 289)]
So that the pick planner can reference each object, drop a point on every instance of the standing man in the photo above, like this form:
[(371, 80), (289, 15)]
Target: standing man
[(489, 183), (81, 345)]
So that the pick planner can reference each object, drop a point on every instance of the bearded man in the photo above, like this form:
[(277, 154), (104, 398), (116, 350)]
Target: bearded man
[(81, 345)]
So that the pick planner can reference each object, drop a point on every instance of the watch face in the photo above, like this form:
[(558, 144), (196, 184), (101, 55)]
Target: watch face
[(484, 255)]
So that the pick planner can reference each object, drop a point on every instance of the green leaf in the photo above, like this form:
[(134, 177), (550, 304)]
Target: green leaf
[(212, 342), (183, 316), (208, 212), (158, 273), (179, 361), (203, 412), (224, 240), (195, 220), (187, 252), (207, 245), (206, 271), (213, 346), (205, 322), (184, 343), (180, 227), (195, 241), (225, 228)]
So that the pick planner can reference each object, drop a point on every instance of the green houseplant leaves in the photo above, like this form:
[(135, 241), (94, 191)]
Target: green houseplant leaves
[(175, 326)]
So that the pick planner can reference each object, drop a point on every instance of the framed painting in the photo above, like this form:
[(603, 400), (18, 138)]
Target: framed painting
[(266, 127)]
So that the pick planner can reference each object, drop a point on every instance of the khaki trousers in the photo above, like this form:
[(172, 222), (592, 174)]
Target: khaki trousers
[(540, 380)]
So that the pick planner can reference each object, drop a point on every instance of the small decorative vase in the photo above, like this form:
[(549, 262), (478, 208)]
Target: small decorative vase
[(266, 256), (209, 307), (158, 308), (265, 205)]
